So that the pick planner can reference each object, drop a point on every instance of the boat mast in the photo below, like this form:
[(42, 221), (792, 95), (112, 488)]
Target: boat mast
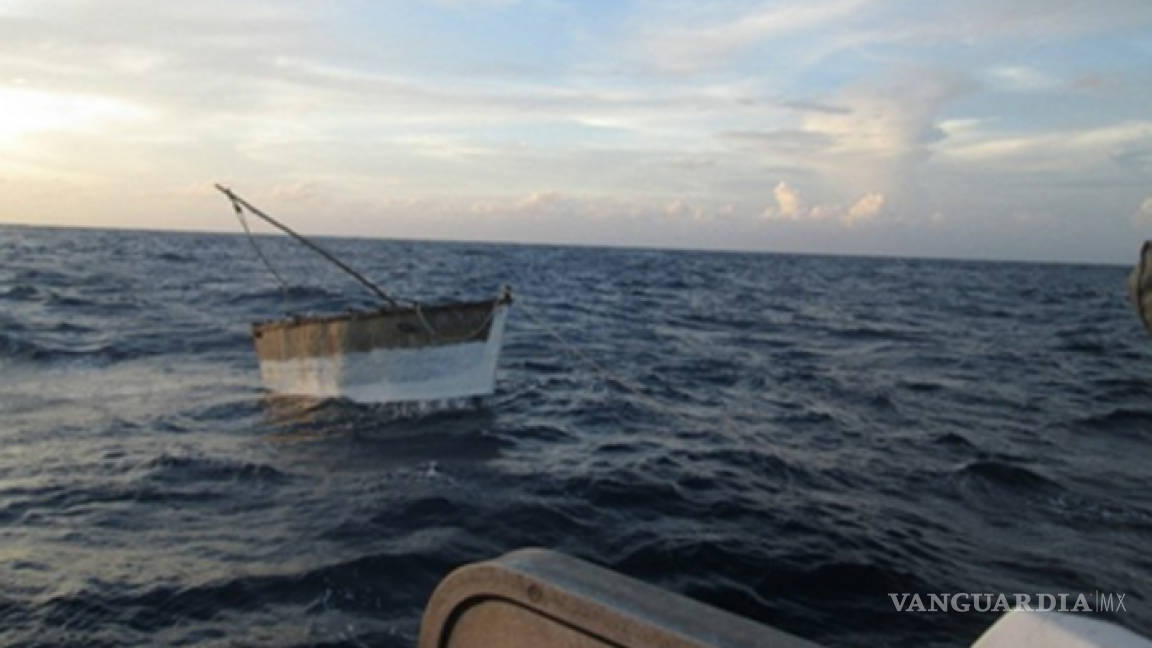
[(239, 203)]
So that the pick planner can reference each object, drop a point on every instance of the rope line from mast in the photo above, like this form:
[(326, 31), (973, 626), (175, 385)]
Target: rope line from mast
[(241, 206), (260, 253), (238, 202)]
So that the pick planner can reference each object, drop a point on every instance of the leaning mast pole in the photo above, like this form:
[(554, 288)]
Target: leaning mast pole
[(239, 203)]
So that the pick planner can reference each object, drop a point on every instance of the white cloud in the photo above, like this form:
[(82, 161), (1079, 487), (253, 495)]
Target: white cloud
[(694, 48), (483, 207), (1053, 149), (892, 119), (867, 207), (473, 3), (1024, 20), (539, 200), (1023, 78), (299, 192), (305, 100), (788, 203), (781, 141), (1146, 209), (824, 212)]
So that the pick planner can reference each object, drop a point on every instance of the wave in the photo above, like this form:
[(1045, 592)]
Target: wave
[(43, 277), (14, 346), (1096, 348), (40, 352), (954, 440), (307, 294), (21, 292), (922, 386), (188, 469), (841, 580), (1006, 477), (1119, 419), (877, 333), (39, 504), (367, 584), (175, 257)]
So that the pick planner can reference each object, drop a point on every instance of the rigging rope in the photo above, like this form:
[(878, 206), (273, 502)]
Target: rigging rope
[(240, 206), (424, 321), (238, 202), (502, 300), (260, 253)]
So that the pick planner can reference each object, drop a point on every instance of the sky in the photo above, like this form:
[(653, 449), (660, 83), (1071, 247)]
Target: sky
[(1013, 129)]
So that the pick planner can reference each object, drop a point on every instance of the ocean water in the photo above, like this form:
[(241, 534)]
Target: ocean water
[(787, 437)]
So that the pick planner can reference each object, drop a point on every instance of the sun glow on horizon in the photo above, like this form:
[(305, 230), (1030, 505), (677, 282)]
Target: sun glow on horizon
[(27, 111)]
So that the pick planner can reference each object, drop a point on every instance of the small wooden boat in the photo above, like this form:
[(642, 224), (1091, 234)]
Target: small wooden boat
[(396, 353), (389, 355)]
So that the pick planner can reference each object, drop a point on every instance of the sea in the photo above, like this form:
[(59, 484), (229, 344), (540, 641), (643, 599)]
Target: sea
[(791, 438)]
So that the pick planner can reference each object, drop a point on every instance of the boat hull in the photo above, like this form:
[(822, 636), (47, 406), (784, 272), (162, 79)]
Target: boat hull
[(1140, 286), (397, 355)]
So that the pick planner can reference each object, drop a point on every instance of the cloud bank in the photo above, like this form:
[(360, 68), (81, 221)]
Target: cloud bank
[(835, 126)]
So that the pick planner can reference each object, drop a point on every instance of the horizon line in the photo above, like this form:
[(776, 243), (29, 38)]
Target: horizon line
[(609, 246)]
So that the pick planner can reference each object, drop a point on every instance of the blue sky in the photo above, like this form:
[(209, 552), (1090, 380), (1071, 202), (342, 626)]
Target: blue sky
[(990, 129)]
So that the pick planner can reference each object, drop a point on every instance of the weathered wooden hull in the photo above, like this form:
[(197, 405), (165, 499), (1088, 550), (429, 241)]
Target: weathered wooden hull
[(393, 355), (1140, 286)]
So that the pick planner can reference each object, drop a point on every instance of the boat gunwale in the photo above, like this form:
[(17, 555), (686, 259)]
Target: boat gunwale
[(262, 326)]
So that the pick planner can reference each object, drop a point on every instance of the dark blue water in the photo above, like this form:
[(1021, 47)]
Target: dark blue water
[(787, 437)]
